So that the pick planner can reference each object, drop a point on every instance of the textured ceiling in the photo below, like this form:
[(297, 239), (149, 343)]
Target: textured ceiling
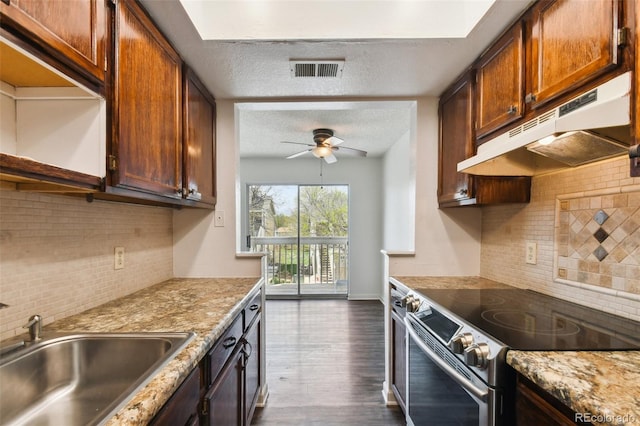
[(387, 69), (369, 126)]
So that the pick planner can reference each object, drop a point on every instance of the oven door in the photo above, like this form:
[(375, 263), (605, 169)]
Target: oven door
[(441, 390)]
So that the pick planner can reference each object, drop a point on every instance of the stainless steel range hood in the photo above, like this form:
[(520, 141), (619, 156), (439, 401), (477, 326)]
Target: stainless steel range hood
[(590, 127)]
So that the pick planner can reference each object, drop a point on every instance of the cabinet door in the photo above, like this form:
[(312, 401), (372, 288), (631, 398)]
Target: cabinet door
[(534, 407), (147, 135), (500, 83), (222, 404), (199, 141), (75, 29), (251, 348), (182, 407), (572, 42), (456, 141), (399, 374)]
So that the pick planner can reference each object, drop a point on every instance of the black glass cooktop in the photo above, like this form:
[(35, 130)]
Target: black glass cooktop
[(527, 320)]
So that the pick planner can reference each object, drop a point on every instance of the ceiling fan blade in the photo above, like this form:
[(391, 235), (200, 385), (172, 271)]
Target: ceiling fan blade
[(333, 141), (330, 159), (299, 143), (352, 151), (298, 154)]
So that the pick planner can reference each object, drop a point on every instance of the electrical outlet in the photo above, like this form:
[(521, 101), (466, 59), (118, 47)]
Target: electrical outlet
[(219, 218), (118, 262), (532, 253)]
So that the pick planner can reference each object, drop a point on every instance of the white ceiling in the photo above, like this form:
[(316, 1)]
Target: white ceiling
[(266, 125), (332, 20), (389, 69)]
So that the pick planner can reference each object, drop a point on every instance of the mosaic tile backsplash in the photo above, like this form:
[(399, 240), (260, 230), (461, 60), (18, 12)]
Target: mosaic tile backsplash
[(598, 240)]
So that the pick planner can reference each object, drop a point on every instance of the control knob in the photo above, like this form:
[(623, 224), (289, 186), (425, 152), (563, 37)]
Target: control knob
[(406, 301), (461, 342), (414, 305), (477, 355), (411, 303)]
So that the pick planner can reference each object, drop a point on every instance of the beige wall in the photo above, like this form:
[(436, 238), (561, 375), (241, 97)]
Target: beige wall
[(447, 241), (202, 249), (614, 283), (57, 254)]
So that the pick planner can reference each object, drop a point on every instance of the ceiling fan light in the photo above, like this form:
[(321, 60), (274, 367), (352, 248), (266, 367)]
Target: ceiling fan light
[(321, 151)]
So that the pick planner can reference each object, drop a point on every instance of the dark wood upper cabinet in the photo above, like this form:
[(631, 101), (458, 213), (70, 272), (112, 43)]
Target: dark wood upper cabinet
[(199, 141), (456, 142), (72, 30), (500, 83), (146, 145), (572, 42)]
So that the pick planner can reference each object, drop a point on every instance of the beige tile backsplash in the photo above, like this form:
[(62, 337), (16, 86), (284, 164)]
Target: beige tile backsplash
[(57, 254), (586, 225), (598, 240)]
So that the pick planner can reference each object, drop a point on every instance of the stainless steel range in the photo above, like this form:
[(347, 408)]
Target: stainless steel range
[(458, 340)]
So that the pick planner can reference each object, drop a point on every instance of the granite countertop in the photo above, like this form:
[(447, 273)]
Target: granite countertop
[(602, 386), (203, 306), (416, 283)]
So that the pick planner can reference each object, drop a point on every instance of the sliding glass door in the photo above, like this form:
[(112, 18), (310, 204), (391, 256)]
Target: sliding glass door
[(304, 229)]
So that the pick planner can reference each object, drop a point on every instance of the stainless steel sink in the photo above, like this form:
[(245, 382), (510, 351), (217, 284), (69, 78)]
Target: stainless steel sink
[(80, 379)]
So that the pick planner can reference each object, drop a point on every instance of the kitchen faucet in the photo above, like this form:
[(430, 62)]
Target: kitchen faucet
[(35, 327)]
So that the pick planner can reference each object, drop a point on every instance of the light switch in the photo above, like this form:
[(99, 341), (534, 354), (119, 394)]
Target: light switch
[(118, 262), (532, 253), (219, 218)]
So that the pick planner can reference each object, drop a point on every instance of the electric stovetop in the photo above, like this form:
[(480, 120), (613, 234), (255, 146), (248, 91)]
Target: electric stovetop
[(527, 320)]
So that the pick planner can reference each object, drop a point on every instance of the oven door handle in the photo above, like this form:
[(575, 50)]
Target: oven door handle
[(462, 381)]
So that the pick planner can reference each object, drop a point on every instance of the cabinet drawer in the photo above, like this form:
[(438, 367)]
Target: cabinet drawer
[(223, 349), (253, 308)]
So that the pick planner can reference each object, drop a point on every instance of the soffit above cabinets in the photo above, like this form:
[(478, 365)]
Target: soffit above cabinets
[(380, 67), (334, 20)]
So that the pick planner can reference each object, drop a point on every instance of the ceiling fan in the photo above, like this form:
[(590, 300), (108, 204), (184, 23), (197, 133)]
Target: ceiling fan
[(325, 145)]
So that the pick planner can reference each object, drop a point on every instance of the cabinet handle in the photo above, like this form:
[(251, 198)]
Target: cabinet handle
[(530, 98), (229, 342), (247, 354), (254, 307), (512, 110)]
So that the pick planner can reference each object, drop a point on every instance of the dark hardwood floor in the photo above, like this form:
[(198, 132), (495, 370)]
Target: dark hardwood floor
[(325, 364)]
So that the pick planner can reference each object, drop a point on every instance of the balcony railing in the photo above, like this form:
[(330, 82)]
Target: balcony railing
[(308, 260)]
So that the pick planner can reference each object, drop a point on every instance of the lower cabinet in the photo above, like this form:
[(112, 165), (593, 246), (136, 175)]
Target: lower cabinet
[(398, 355), (231, 383), (222, 404), (223, 389), (252, 346), (182, 407), (535, 406)]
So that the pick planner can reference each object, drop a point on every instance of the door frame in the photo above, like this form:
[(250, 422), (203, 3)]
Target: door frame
[(247, 244)]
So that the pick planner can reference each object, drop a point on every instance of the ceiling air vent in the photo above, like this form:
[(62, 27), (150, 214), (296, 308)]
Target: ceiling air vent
[(318, 69)]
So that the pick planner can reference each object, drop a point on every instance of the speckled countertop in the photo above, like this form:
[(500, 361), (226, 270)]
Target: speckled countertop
[(600, 385), (416, 283), (203, 306)]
